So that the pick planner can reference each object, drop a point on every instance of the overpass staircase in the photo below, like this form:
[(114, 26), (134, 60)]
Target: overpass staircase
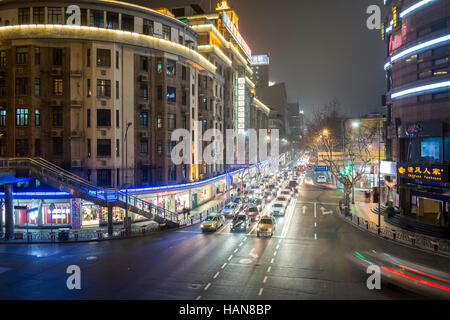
[(61, 179)]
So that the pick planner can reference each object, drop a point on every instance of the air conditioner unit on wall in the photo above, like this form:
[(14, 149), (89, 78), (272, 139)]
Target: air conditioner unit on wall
[(143, 78)]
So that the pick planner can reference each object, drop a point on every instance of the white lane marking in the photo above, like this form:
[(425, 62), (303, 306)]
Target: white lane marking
[(188, 231), (216, 275), (260, 291), (265, 279), (315, 236), (230, 257), (278, 246), (198, 298), (275, 254), (224, 265), (288, 221), (91, 258), (235, 250), (304, 209), (269, 268), (273, 259), (207, 286), (240, 244), (315, 224), (245, 239), (315, 209), (253, 254), (279, 241)]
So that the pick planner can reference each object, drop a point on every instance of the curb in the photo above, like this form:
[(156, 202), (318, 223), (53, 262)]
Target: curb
[(441, 254)]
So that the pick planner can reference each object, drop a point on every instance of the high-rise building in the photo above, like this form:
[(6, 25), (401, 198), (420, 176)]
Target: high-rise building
[(417, 67), (295, 122), (260, 67)]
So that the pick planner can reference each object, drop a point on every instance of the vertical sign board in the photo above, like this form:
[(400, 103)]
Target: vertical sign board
[(241, 105)]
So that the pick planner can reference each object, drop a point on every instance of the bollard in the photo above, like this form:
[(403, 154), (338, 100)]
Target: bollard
[(29, 236), (394, 234), (367, 225), (378, 230), (75, 234)]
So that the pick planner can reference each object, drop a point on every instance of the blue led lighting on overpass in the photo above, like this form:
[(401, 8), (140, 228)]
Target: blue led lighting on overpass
[(422, 89)]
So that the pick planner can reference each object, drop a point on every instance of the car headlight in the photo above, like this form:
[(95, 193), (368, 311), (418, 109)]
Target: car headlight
[(270, 229), (242, 226)]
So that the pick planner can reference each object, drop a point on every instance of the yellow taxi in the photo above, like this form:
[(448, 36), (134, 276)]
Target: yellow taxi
[(266, 226)]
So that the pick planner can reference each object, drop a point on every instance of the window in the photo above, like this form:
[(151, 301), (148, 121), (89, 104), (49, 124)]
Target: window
[(147, 27), (159, 65), (103, 88), (117, 90), (117, 60), (24, 15), (127, 23), (37, 56), (172, 173), (143, 146), (97, 18), (58, 87), (103, 147), (159, 121), (89, 88), (143, 91), (3, 59), (88, 57), (37, 147), (21, 55), (103, 118), (103, 58), (37, 117), (205, 103), (57, 146), (171, 121), (447, 149), (144, 174), (57, 117), (183, 73), (184, 98), (21, 86), (2, 148), (38, 15), (2, 88), (160, 93), (112, 20), (117, 119), (171, 94), (440, 61), (159, 147), (171, 68), (88, 118), (84, 17), (89, 148), (57, 56), (425, 150), (143, 119), (117, 148), (21, 147), (37, 87), (2, 118), (104, 177), (21, 117), (54, 15), (170, 146), (143, 63), (166, 33)]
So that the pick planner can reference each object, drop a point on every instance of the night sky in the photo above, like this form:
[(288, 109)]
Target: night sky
[(321, 49)]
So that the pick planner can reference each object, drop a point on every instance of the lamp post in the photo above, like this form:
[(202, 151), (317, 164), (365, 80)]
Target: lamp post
[(356, 125), (126, 177)]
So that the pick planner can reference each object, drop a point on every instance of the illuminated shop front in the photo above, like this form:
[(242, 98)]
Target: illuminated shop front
[(118, 214), (201, 195), (173, 201), (56, 214), (90, 214)]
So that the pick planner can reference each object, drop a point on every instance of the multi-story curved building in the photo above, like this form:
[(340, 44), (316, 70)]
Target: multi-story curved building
[(417, 35), (69, 92)]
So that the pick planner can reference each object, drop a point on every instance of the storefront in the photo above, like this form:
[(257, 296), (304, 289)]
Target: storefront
[(90, 214), (201, 195), (118, 214), (389, 191), (425, 192)]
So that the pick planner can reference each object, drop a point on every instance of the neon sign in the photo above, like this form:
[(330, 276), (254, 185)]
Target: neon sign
[(232, 29)]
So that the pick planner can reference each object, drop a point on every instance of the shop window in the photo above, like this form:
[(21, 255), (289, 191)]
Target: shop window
[(57, 214)]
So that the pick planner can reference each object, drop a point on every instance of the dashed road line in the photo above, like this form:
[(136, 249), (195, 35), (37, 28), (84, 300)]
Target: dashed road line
[(260, 291), (230, 257), (216, 275), (207, 286), (198, 298), (235, 250), (224, 265), (265, 279), (269, 268), (273, 259), (315, 236), (275, 253)]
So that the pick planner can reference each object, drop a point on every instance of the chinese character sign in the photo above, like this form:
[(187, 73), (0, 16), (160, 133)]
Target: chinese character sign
[(425, 174)]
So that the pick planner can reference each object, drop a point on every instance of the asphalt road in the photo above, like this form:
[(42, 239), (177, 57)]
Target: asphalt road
[(305, 259)]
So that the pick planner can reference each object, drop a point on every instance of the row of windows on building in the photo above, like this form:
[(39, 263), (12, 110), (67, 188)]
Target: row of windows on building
[(104, 147), (22, 117), (97, 18)]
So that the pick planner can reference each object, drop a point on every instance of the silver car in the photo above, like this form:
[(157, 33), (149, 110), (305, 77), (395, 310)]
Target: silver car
[(231, 209)]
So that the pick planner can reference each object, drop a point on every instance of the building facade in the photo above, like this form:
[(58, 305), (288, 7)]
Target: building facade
[(417, 40), (260, 67)]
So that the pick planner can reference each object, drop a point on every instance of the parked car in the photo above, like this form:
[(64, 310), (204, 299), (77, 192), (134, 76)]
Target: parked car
[(266, 226), (213, 222), (252, 212), (231, 209), (240, 222)]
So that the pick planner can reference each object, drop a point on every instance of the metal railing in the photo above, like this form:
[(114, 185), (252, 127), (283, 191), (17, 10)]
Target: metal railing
[(401, 236), (48, 170)]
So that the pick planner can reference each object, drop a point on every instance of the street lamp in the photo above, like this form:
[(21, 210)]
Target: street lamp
[(129, 124), (356, 124)]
